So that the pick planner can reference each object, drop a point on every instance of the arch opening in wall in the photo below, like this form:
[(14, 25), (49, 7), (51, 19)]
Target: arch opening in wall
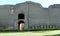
[(21, 25)]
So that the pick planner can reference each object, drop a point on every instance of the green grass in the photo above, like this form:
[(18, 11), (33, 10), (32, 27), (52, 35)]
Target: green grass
[(23, 31), (32, 33), (53, 35)]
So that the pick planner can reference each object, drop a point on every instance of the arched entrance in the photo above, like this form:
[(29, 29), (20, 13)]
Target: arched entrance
[(21, 25)]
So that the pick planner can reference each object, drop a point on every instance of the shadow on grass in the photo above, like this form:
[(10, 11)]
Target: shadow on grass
[(53, 35), (38, 31)]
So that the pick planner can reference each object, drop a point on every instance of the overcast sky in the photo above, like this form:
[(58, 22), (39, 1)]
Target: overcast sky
[(44, 3)]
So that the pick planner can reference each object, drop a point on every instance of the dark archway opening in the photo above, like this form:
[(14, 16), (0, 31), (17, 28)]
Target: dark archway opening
[(19, 24), (20, 16)]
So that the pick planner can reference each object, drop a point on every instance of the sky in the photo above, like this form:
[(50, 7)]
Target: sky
[(44, 3)]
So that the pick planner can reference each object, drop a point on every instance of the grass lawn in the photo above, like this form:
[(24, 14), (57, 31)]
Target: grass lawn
[(31, 33)]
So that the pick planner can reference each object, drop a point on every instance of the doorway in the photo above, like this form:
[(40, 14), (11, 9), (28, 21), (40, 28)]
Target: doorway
[(21, 25)]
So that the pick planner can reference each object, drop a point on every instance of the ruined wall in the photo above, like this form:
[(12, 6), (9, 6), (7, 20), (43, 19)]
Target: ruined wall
[(54, 12), (5, 18), (36, 17)]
